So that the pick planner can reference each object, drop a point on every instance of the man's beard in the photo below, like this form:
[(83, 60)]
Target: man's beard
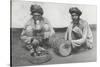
[(75, 21)]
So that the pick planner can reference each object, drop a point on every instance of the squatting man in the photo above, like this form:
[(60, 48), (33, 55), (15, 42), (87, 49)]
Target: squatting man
[(78, 33), (37, 31)]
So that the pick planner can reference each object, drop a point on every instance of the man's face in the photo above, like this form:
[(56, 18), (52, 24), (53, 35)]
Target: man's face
[(36, 16), (74, 16)]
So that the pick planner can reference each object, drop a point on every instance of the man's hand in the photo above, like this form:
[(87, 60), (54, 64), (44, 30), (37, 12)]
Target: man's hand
[(75, 43), (28, 40), (35, 41)]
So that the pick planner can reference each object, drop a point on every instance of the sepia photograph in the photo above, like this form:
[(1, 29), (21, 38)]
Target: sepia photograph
[(44, 33)]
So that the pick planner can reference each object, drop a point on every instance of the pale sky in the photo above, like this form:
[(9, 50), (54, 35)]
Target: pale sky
[(56, 13)]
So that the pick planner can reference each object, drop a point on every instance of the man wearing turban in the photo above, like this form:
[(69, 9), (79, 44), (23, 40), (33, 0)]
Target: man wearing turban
[(37, 30), (78, 32)]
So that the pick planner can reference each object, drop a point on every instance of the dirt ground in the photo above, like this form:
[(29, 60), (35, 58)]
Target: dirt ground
[(82, 56)]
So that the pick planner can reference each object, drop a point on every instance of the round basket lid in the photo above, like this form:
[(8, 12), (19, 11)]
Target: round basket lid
[(65, 50)]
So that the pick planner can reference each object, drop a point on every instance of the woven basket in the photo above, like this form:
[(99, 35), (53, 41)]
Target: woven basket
[(38, 59), (62, 47)]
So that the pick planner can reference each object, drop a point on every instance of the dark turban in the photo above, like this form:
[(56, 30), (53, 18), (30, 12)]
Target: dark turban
[(75, 10), (36, 9)]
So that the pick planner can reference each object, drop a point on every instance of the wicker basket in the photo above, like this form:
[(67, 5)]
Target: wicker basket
[(62, 47), (38, 59)]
